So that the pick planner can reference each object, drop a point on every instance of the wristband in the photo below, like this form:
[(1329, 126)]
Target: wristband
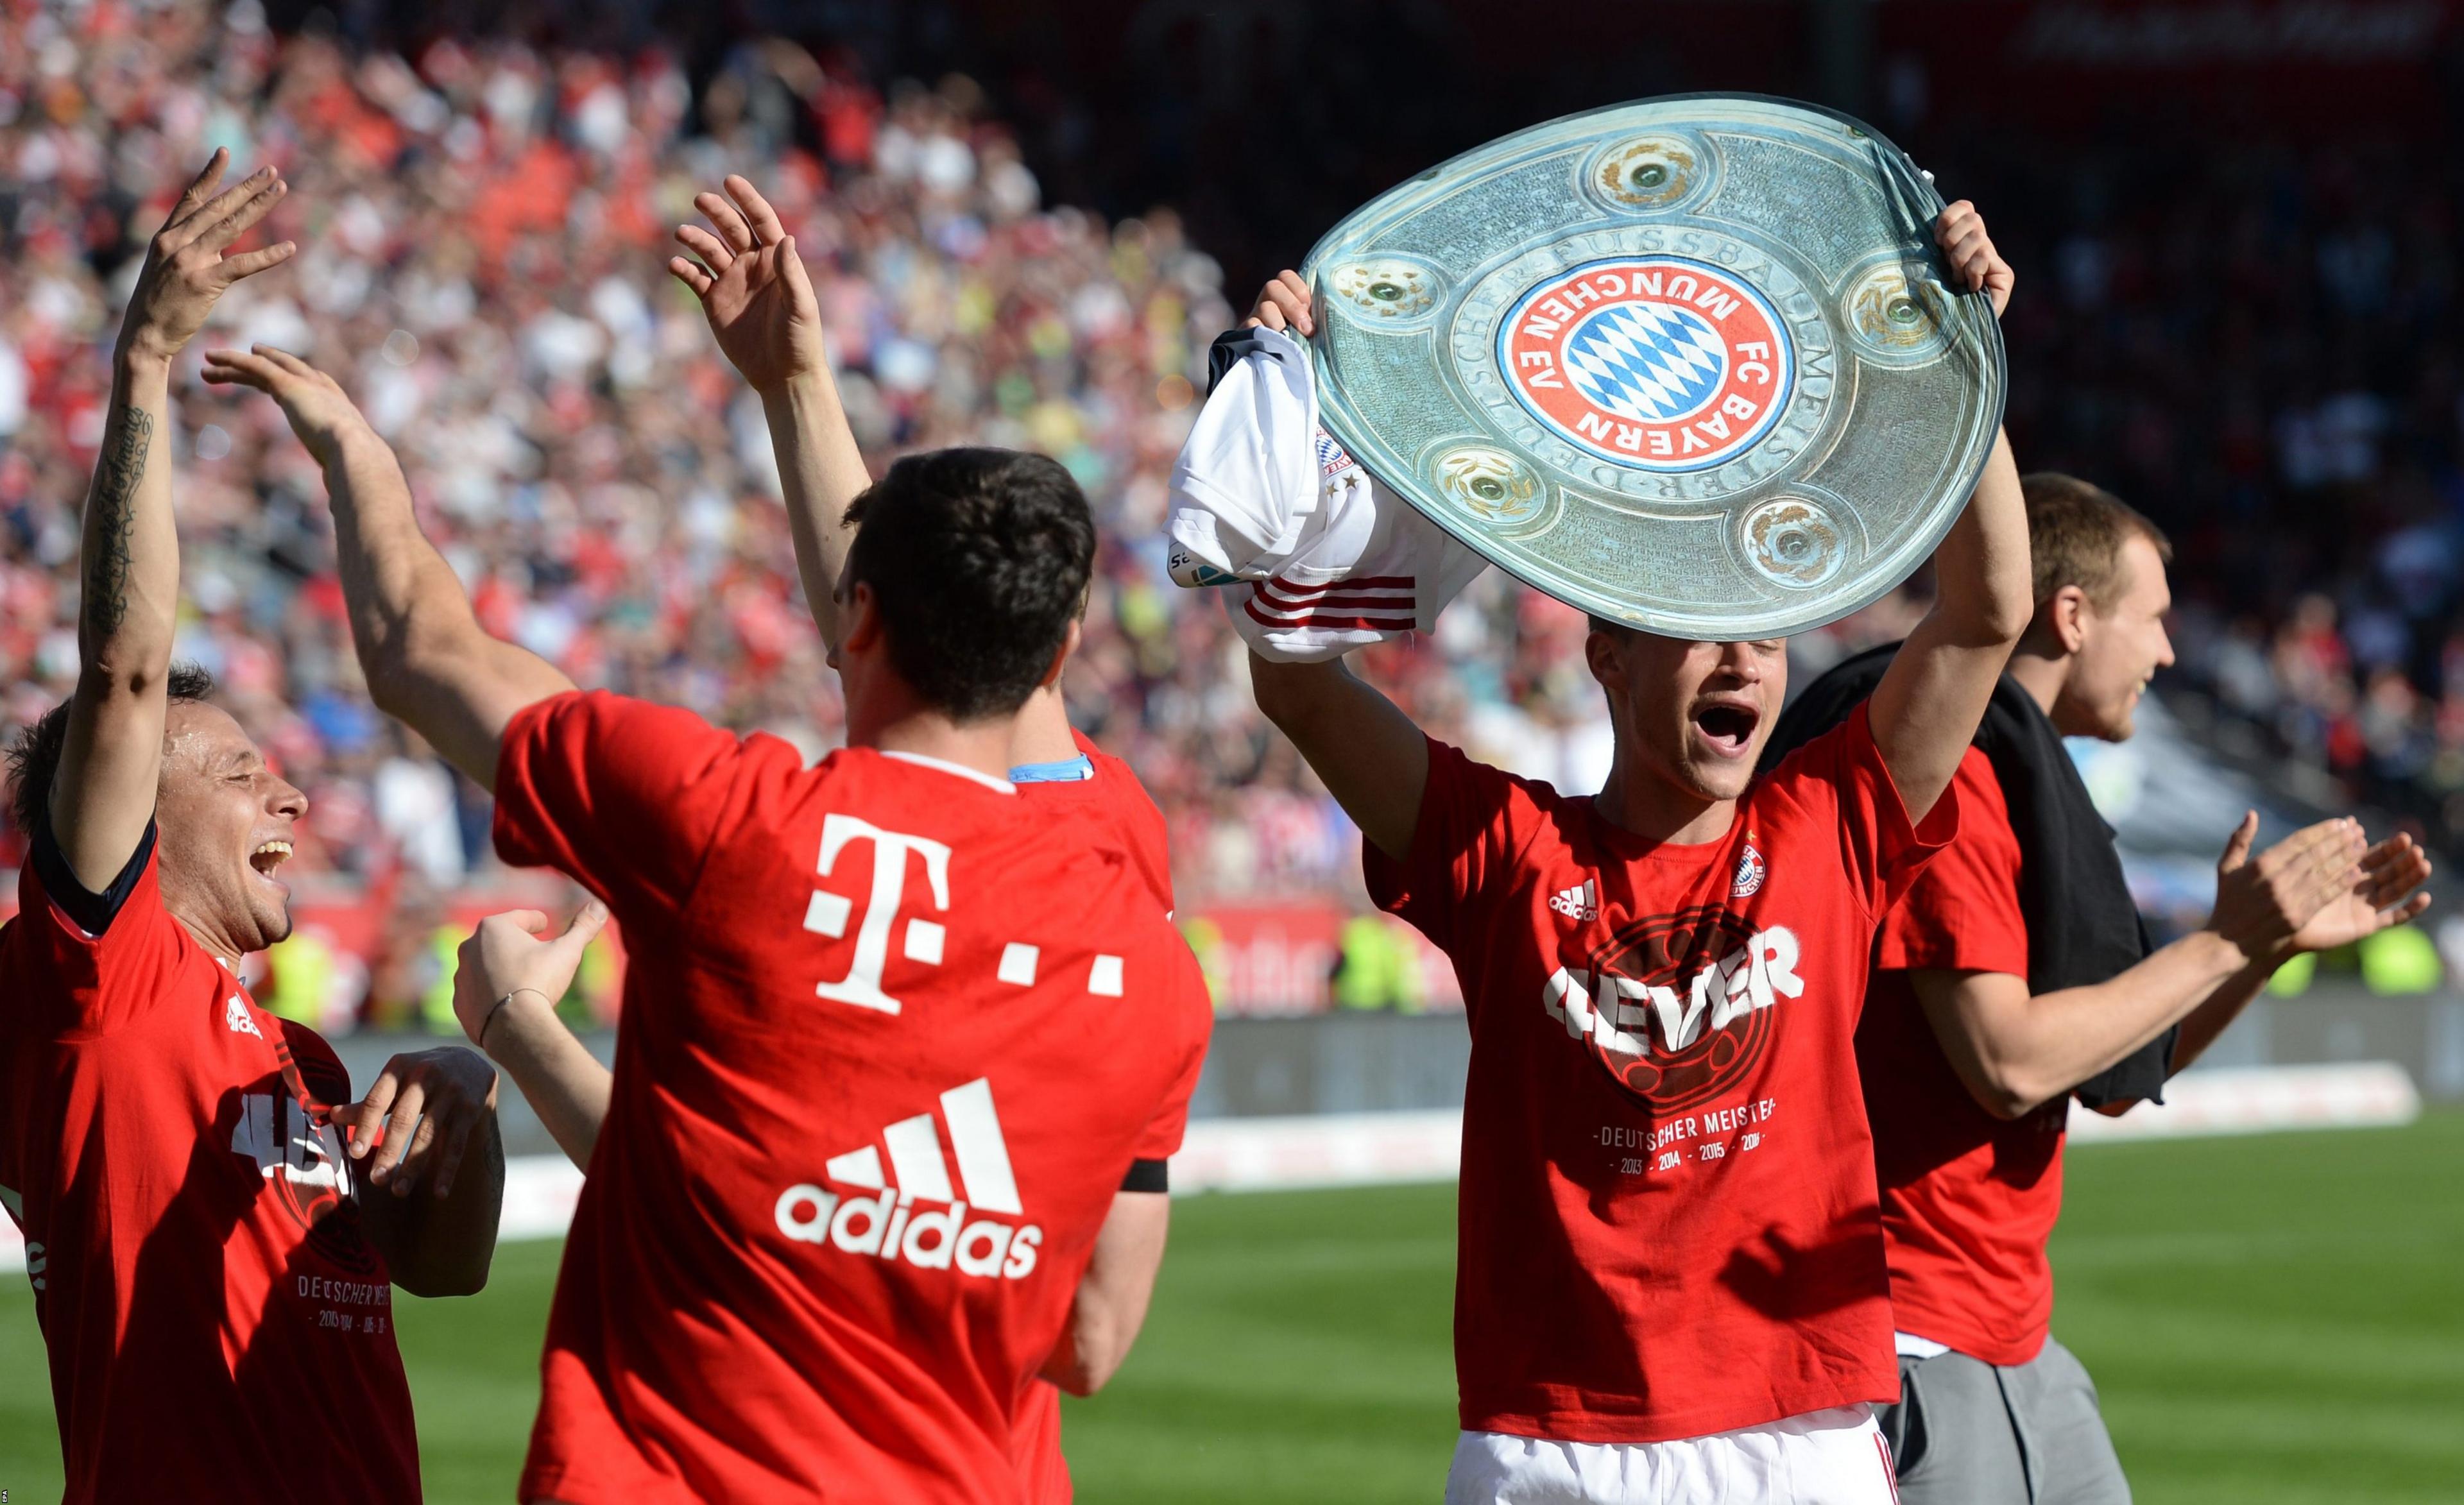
[(481, 1038)]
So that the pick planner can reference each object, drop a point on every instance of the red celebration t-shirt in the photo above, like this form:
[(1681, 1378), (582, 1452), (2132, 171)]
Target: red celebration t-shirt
[(1967, 1199), (891, 1038), (1667, 1220), (217, 1324)]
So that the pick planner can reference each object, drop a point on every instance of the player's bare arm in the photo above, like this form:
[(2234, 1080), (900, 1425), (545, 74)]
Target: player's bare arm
[(1111, 1305), (759, 299), (511, 972), (1926, 710), (433, 1166), (129, 555), (429, 662), (2315, 891)]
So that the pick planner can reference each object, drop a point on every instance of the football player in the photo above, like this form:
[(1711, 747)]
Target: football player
[(1671, 1284), (2015, 976), (212, 1244), (889, 1047)]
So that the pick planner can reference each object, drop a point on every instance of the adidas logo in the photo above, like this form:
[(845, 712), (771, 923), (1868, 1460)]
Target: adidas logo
[(888, 1225), (1582, 902)]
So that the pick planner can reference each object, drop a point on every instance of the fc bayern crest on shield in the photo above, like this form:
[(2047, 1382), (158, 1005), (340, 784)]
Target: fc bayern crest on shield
[(1659, 364), (1693, 364)]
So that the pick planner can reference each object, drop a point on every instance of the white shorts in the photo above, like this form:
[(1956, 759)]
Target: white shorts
[(1835, 1457)]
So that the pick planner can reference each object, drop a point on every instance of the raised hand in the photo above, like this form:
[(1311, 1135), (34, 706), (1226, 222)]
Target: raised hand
[(752, 288), (513, 953), (420, 1116), (1974, 263), (2263, 903), (186, 269), (313, 404), (1284, 304), (2383, 894)]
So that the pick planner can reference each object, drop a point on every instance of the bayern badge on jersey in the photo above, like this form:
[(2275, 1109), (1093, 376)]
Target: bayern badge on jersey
[(1655, 362), (1750, 872)]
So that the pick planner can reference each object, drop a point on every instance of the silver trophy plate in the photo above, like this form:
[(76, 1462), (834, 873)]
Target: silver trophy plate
[(1690, 363)]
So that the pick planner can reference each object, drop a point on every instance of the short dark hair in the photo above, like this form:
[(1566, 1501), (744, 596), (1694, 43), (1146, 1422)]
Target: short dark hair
[(2076, 532), (979, 561), (34, 754)]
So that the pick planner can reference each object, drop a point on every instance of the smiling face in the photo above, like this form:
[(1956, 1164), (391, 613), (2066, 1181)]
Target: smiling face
[(2117, 649), (1691, 718), (225, 821)]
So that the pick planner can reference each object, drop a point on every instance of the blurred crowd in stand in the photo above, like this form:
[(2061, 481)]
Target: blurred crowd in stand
[(2259, 343), (484, 228)]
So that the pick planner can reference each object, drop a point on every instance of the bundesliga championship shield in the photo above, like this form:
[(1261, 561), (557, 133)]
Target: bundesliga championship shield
[(1690, 363)]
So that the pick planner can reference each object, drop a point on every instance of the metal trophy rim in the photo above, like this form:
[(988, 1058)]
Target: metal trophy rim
[(1917, 547)]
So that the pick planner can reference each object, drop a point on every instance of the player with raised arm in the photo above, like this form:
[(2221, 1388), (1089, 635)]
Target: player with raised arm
[(1671, 1284), (760, 300), (891, 1043), (762, 312), (212, 1269)]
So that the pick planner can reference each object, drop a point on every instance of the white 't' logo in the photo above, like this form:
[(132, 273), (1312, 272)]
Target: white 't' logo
[(827, 912)]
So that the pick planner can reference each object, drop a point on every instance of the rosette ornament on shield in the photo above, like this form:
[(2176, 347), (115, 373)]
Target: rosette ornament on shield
[(1691, 364)]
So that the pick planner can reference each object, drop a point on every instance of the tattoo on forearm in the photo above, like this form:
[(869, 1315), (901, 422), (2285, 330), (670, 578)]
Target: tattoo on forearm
[(111, 531)]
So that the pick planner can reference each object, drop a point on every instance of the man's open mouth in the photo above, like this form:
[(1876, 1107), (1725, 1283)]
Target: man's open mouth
[(1728, 727), (268, 856)]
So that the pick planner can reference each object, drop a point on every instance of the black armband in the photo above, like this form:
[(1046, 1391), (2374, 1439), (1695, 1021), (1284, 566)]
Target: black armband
[(1148, 1175)]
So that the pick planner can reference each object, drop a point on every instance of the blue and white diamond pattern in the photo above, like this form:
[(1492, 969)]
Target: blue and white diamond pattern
[(1646, 362)]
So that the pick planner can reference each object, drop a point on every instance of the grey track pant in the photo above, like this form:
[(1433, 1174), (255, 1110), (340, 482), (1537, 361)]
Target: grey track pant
[(1968, 1432)]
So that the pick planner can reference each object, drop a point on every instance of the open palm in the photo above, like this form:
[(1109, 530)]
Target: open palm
[(752, 288), (2390, 872)]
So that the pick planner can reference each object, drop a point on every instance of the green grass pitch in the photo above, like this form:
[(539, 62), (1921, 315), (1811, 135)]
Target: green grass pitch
[(2273, 1320)]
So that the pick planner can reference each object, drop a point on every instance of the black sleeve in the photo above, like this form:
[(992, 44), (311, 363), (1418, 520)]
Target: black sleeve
[(1148, 1175), (1226, 352), (2139, 1076), (92, 911)]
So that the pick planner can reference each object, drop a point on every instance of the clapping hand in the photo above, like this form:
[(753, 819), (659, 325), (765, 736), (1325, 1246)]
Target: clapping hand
[(2384, 893), (2267, 905)]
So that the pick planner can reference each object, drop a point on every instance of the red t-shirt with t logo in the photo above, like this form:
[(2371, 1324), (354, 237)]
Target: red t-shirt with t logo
[(217, 1324), (892, 1037), (1668, 1218), (1968, 1200)]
